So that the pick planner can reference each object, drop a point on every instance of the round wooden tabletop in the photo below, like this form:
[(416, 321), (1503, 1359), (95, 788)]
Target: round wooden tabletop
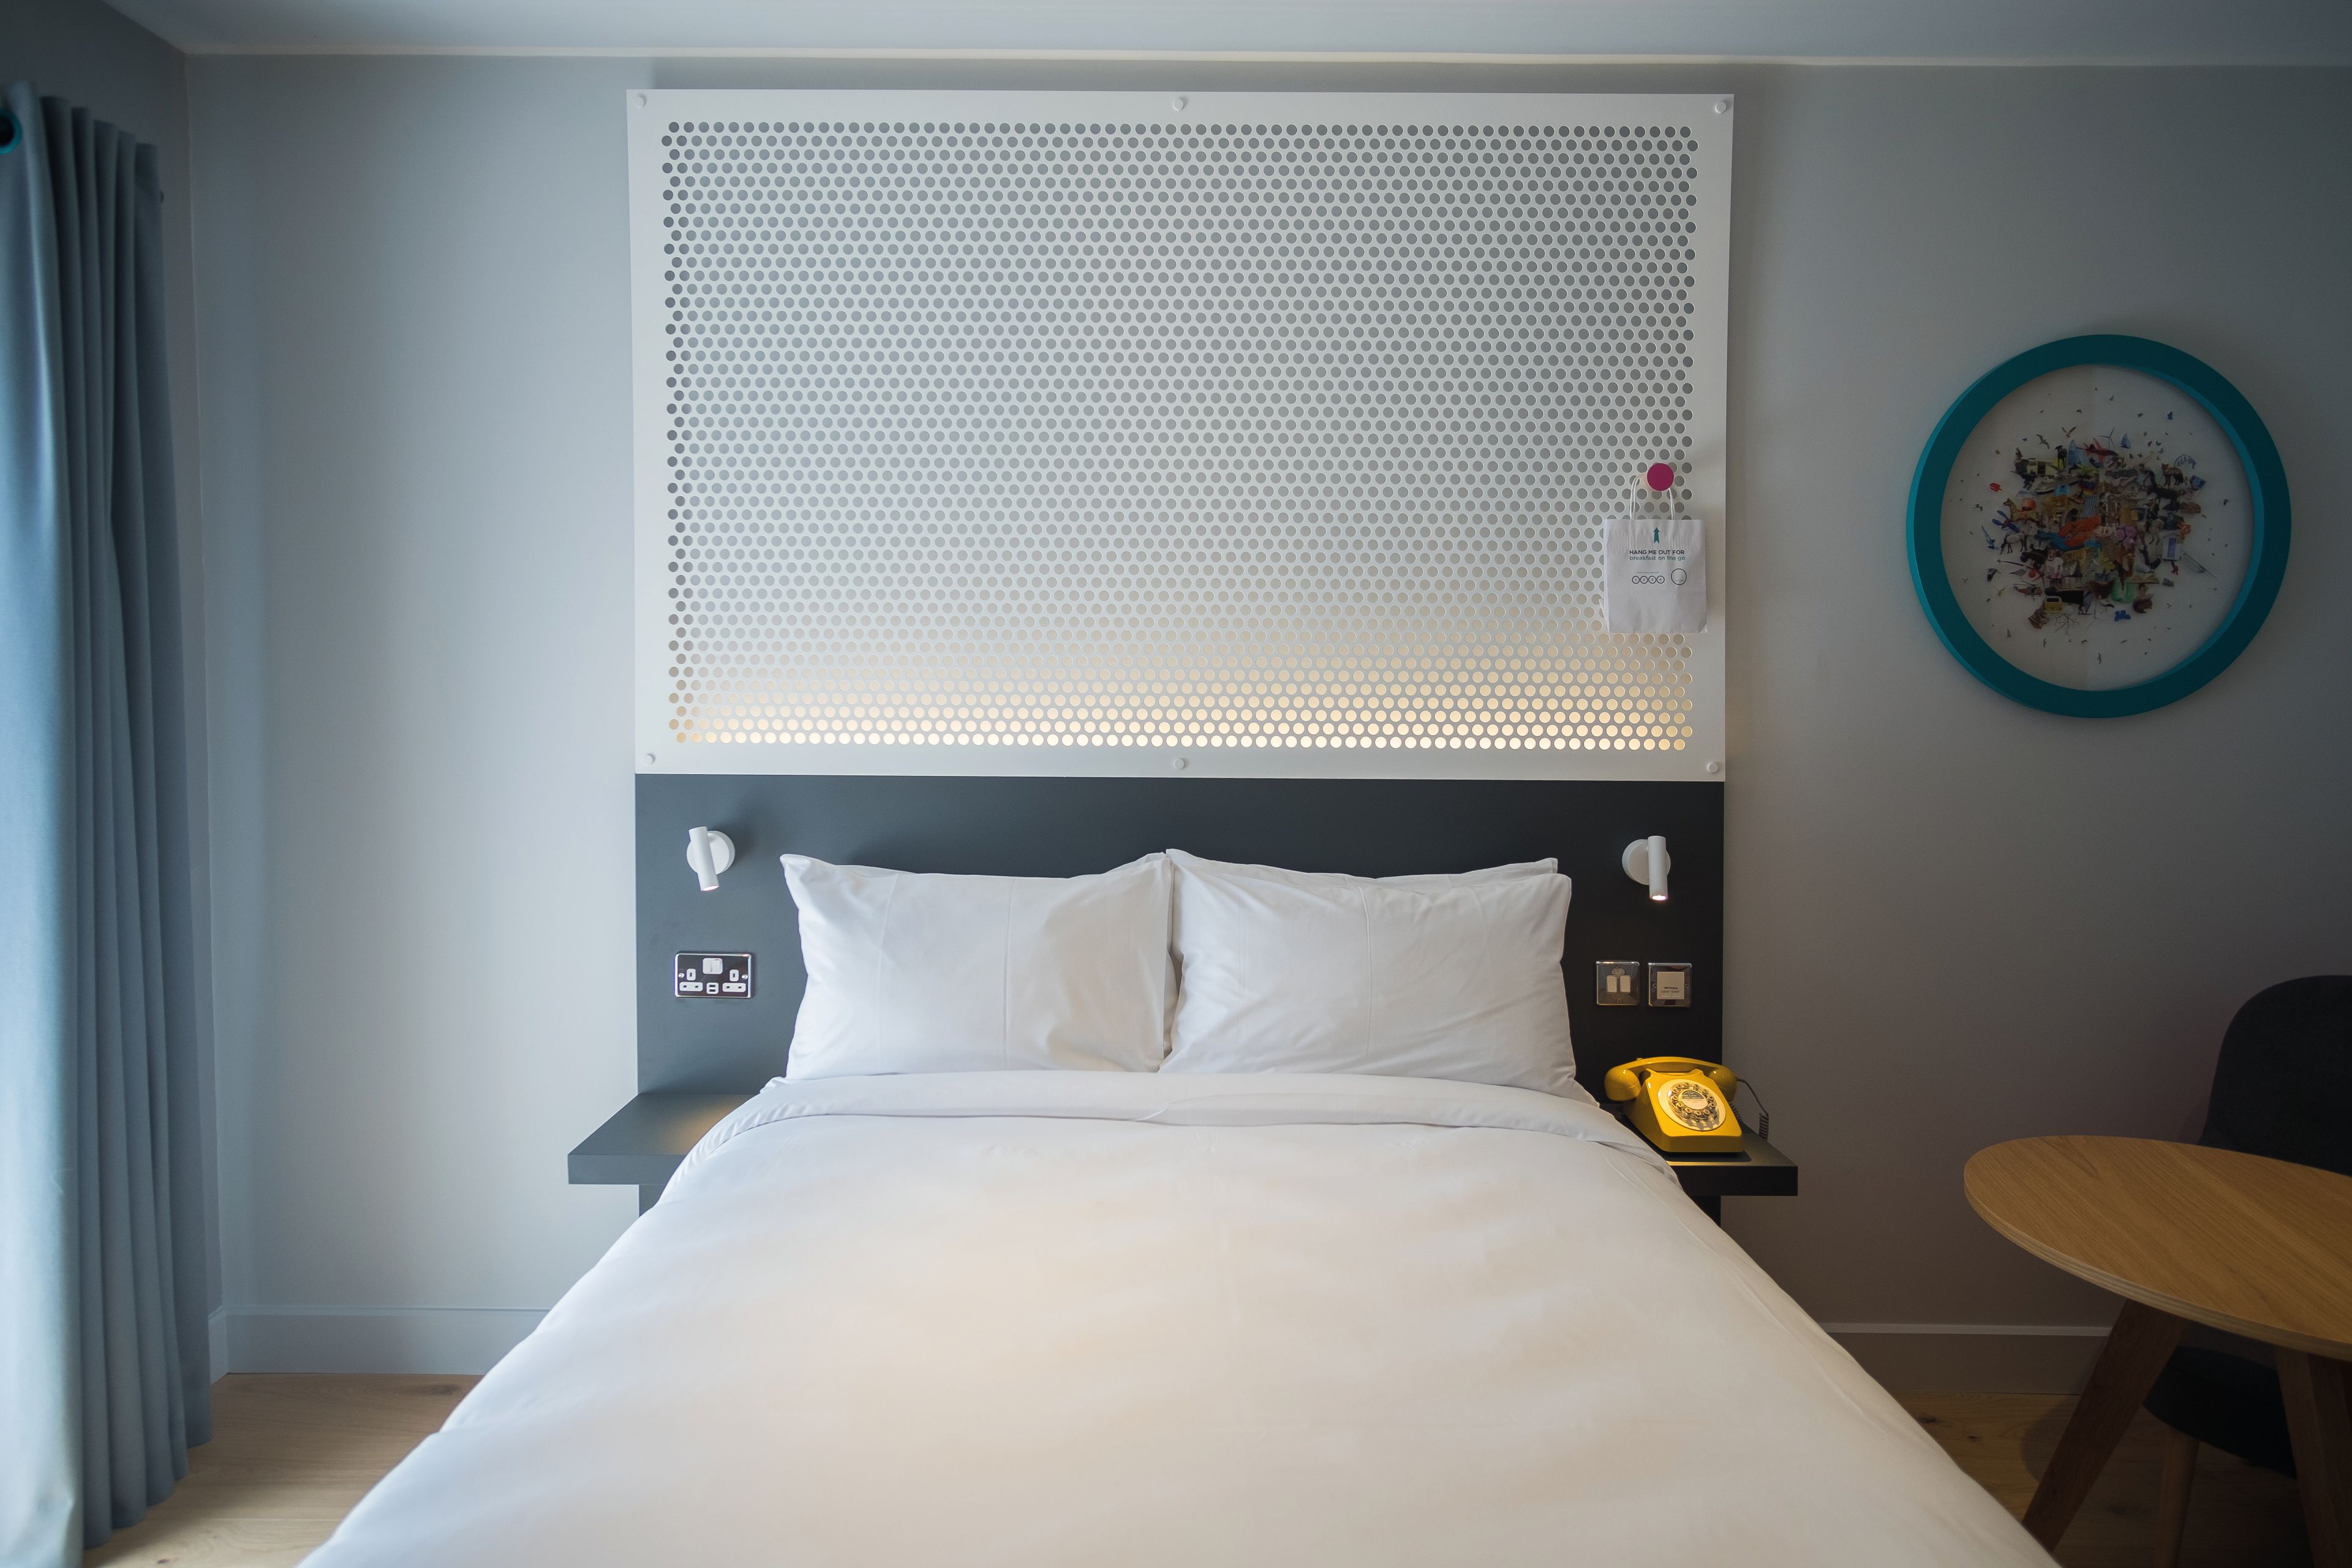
[(2260, 1248)]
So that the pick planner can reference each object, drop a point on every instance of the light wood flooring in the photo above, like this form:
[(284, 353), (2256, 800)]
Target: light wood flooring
[(289, 1456), (2238, 1517)]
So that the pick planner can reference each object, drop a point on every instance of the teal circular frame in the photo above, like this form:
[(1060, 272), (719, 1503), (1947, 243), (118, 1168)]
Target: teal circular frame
[(2265, 477)]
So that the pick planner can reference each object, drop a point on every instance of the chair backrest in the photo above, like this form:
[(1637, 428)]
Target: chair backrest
[(2283, 1087)]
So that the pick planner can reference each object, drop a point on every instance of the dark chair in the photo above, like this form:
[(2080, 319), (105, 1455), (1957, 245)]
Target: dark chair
[(2286, 1054)]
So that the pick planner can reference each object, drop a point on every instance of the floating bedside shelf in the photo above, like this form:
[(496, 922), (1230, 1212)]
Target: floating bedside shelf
[(643, 1144), (1757, 1170)]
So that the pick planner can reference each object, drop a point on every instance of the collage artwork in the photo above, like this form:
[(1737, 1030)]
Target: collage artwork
[(2095, 527)]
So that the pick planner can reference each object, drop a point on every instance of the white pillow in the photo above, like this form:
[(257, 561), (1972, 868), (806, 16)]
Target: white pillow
[(1445, 977), (1428, 879), (915, 972)]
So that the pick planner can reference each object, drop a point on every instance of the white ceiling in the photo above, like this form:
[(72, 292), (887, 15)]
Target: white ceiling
[(2154, 31)]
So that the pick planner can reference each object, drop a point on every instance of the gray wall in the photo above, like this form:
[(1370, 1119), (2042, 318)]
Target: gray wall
[(417, 469), (90, 54)]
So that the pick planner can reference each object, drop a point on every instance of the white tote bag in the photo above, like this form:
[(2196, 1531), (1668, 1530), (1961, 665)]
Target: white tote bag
[(1654, 573)]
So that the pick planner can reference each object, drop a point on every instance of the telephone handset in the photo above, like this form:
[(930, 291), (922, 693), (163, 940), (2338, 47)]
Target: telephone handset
[(1680, 1104)]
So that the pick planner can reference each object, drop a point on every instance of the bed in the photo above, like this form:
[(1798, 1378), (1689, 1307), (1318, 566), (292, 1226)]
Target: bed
[(1082, 1317)]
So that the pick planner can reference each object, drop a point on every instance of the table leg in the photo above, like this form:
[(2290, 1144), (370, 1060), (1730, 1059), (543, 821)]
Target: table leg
[(2172, 1496), (2318, 1393), (2137, 1347)]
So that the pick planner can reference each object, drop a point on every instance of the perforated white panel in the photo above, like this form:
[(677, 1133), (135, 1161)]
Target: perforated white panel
[(1081, 432)]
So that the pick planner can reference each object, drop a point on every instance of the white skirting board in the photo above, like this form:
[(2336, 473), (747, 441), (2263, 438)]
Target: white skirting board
[(433, 1340), (1908, 1358)]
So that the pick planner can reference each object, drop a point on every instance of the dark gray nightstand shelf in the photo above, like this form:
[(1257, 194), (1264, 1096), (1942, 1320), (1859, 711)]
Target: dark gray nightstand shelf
[(1757, 1170), (643, 1144)]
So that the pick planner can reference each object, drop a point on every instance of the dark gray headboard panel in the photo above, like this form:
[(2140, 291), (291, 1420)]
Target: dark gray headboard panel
[(1068, 826)]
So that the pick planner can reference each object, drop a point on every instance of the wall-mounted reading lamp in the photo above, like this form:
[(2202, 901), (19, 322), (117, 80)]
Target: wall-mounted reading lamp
[(1646, 860), (709, 852)]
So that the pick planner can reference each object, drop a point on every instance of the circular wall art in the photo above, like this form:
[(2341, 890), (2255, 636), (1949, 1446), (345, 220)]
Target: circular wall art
[(2098, 526)]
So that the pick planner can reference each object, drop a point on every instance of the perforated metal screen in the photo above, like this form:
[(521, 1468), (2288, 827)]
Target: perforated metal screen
[(1087, 433)]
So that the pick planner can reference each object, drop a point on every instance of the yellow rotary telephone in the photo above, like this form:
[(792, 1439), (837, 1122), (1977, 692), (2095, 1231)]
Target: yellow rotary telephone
[(1680, 1105)]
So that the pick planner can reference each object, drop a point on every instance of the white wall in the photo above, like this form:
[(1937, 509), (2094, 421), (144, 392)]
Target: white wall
[(413, 283), (418, 427), (1904, 954)]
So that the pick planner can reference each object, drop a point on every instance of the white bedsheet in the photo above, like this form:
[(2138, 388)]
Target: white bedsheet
[(1050, 1317)]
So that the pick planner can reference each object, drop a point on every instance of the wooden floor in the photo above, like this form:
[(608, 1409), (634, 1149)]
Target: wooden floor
[(291, 1456), (288, 1457), (2238, 1517)]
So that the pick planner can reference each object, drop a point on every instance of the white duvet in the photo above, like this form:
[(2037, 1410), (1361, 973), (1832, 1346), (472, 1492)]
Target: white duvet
[(1097, 1317)]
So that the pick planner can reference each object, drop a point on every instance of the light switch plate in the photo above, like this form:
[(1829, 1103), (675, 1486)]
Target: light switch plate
[(1617, 983), (1670, 984), (712, 976)]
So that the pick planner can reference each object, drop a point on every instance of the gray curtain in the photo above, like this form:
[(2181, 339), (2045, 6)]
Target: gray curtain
[(103, 1267)]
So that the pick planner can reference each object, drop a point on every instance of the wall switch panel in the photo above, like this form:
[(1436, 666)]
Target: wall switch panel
[(1670, 984), (725, 976), (1617, 983)]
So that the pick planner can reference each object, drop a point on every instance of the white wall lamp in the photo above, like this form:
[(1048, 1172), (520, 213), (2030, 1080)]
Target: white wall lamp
[(709, 852), (1646, 860)]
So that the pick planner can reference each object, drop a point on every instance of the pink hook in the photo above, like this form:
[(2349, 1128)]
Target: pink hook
[(1661, 477)]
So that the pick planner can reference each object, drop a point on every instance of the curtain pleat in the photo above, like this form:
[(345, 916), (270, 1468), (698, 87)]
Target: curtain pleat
[(102, 1324)]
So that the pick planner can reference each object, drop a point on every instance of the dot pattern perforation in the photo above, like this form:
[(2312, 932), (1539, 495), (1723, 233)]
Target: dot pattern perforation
[(1061, 435)]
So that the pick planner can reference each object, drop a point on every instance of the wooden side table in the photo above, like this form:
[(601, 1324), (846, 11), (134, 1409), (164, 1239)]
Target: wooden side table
[(2187, 1234)]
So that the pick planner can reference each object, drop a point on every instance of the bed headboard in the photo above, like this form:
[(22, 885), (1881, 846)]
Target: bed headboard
[(1068, 826)]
